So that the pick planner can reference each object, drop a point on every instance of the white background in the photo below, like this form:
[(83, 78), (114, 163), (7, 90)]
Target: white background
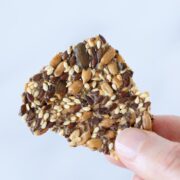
[(146, 33)]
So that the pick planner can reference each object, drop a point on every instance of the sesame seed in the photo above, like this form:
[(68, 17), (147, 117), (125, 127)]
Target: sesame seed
[(94, 135), (117, 111), (114, 87), (147, 99), (72, 97), (53, 99), (61, 132), (98, 43), (49, 70), (37, 102), (36, 93), (96, 129), (45, 87), (108, 103), (35, 84), (109, 77), (66, 66), (90, 52), (87, 46), (77, 101), (43, 126), (96, 89), (66, 100), (76, 68), (24, 116), (27, 107), (142, 109), (136, 100), (138, 119), (140, 105), (28, 90), (123, 111), (73, 118), (94, 84), (46, 116), (71, 103), (110, 146), (86, 108), (66, 123), (52, 120), (71, 71), (68, 84), (113, 97), (106, 71), (93, 71), (67, 69), (86, 85), (101, 76), (78, 114), (40, 115), (69, 50), (66, 106)]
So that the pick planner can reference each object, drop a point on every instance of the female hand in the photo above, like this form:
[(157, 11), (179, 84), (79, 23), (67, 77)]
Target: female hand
[(151, 155)]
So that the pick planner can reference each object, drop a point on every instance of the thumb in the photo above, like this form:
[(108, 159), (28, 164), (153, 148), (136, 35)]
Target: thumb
[(148, 155)]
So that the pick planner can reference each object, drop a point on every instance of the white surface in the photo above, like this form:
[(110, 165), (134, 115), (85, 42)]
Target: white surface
[(146, 33)]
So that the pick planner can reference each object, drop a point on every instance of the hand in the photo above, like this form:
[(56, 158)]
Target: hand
[(151, 155)]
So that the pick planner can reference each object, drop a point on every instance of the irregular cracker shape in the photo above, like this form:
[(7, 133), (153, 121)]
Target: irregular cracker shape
[(86, 94)]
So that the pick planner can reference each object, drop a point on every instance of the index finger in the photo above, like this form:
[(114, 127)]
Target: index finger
[(167, 127)]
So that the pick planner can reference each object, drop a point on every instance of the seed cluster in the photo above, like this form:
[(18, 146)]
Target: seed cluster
[(86, 94)]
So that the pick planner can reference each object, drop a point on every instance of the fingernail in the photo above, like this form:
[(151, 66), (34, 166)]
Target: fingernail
[(128, 142)]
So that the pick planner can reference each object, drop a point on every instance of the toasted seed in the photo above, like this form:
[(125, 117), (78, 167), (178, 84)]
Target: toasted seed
[(110, 146), (94, 143), (74, 109), (82, 55), (98, 44), (76, 68), (86, 108), (86, 86), (43, 126), (85, 137), (107, 57), (61, 88), (147, 122), (55, 60), (45, 87), (40, 132), (117, 80), (96, 129), (46, 116), (113, 68), (49, 70), (91, 42), (107, 90), (120, 58), (74, 134), (59, 69), (110, 134), (86, 75), (106, 123), (75, 87), (86, 116)]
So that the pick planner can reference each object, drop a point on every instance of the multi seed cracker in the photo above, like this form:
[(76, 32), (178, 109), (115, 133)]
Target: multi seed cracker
[(86, 94)]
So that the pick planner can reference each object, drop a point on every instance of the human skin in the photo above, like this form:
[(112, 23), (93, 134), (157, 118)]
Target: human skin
[(151, 155)]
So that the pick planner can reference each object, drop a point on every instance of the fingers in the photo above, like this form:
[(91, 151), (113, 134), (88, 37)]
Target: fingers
[(167, 127), (148, 155)]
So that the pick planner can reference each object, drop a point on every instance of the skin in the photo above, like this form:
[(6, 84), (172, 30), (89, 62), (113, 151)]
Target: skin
[(151, 155)]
